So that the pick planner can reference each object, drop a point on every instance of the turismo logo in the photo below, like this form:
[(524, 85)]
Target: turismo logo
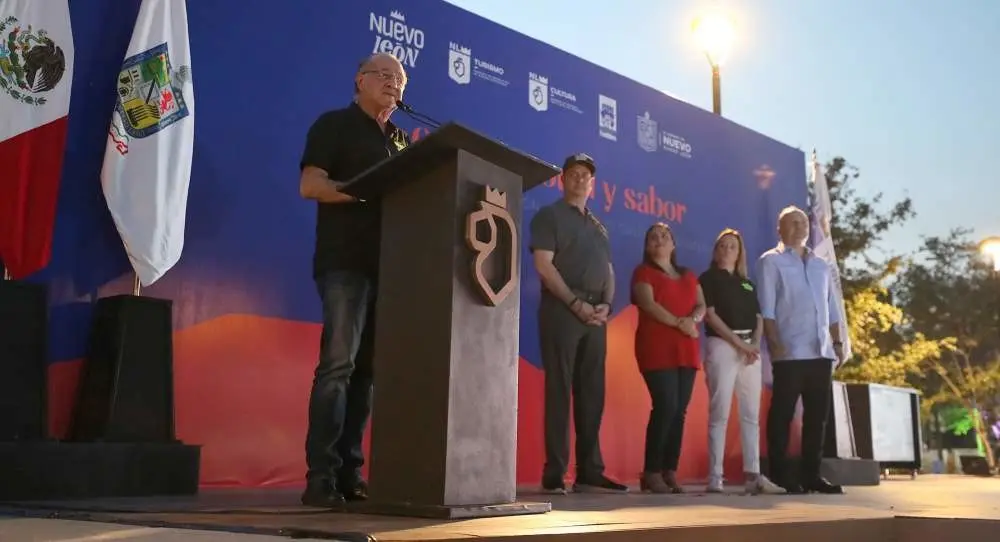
[(459, 61), (607, 117), (646, 131), (541, 94), (394, 36), (462, 66), (675, 144)]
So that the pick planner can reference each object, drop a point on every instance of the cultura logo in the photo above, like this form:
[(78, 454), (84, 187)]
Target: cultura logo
[(538, 92)]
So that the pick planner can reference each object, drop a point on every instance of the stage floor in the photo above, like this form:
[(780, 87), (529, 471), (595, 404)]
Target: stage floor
[(899, 509)]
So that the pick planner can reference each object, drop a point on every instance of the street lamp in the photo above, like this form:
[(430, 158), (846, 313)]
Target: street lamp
[(714, 33), (990, 247)]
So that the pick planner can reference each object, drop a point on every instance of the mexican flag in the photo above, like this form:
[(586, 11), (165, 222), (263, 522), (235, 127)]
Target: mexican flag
[(36, 75), (147, 161)]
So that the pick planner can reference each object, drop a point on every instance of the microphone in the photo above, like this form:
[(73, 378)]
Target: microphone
[(419, 117)]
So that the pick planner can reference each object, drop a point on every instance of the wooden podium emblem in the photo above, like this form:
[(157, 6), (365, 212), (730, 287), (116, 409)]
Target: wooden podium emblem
[(498, 279)]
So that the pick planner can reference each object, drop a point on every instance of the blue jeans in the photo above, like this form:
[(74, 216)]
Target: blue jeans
[(341, 400), (670, 391)]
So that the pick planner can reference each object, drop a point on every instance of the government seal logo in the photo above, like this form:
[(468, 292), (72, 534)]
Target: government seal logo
[(150, 96), (31, 63)]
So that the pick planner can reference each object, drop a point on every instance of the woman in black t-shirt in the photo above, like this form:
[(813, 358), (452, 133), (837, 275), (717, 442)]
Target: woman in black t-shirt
[(733, 327)]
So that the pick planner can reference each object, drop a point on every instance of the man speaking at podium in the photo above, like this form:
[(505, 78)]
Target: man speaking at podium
[(341, 144)]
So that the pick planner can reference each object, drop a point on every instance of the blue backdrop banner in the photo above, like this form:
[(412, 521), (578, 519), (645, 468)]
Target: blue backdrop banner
[(245, 306), (264, 74)]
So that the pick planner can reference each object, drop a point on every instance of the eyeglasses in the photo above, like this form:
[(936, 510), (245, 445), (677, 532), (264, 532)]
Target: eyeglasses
[(387, 76)]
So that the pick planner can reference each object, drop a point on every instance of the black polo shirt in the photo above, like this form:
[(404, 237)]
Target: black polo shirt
[(733, 298), (344, 143), (580, 243)]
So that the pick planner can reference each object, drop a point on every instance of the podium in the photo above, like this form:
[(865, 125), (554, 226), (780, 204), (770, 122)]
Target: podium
[(444, 418)]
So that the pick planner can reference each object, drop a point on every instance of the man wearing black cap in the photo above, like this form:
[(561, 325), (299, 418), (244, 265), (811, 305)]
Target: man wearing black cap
[(573, 260)]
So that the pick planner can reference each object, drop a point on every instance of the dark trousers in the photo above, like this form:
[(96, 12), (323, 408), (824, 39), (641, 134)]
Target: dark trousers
[(812, 380), (573, 355), (341, 399), (670, 392)]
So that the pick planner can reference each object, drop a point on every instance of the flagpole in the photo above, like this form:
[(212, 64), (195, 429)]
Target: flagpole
[(136, 286)]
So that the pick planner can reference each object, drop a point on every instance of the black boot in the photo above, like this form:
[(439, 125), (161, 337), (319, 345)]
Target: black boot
[(321, 494)]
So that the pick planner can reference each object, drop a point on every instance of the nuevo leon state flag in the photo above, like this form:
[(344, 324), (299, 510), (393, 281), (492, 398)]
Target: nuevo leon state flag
[(147, 161), (36, 74), (822, 244)]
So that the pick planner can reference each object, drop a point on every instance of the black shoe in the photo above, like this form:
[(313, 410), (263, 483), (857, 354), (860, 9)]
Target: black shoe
[(598, 484), (354, 490), (553, 485), (820, 485), (321, 495), (793, 489)]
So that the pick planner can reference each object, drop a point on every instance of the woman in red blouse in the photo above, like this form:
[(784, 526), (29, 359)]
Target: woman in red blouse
[(667, 350)]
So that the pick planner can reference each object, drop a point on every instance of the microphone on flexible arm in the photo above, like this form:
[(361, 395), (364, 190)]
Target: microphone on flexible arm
[(419, 117)]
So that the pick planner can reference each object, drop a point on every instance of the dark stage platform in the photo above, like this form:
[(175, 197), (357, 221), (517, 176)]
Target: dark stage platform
[(930, 508)]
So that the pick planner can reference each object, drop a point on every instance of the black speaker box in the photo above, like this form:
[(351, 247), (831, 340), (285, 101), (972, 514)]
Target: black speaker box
[(127, 392), (61, 471), (975, 465), (23, 345)]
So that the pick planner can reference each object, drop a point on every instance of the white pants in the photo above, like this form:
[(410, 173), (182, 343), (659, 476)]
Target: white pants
[(726, 371)]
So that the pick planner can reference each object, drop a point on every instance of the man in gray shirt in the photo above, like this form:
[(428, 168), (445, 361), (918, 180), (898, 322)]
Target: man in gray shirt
[(573, 259), (801, 326)]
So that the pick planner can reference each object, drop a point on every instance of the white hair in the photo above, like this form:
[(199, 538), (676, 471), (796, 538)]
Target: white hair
[(789, 210), (370, 58)]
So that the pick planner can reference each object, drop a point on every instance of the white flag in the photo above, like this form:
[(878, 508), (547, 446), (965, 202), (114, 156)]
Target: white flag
[(147, 162), (822, 242)]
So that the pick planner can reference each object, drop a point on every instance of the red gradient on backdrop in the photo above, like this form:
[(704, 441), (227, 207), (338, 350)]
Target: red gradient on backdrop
[(419, 132), (242, 388)]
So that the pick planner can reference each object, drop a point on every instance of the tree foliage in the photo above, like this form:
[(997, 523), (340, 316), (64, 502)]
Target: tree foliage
[(857, 225), (929, 320), (975, 387), (948, 291), (880, 353), (871, 321)]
